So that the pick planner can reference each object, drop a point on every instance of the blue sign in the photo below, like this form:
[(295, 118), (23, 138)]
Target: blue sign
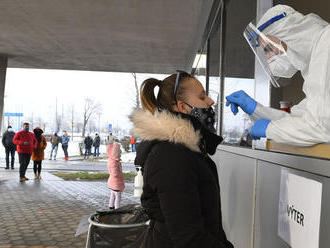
[(13, 114), (110, 128)]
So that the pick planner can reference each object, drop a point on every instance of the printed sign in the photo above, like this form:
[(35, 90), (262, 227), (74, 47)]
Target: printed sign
[(13, 114), (299, 211)]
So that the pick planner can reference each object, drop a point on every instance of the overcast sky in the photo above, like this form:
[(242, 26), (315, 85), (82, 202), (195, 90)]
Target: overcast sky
[(35, 91)]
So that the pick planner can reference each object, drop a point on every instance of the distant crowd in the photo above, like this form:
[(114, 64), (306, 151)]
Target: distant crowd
[(31, 145)]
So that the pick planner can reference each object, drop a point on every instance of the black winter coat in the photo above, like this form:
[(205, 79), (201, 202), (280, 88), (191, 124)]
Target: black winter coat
[(97, 141), (181, 191), (88, 142), (7, 140)]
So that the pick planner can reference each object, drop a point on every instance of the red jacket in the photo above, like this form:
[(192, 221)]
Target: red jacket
[(23, 136)]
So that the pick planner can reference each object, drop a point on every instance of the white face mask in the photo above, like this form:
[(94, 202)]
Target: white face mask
[(280, 66), (10, 129)]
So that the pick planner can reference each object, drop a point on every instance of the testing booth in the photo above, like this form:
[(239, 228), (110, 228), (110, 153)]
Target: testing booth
[(273, 195)]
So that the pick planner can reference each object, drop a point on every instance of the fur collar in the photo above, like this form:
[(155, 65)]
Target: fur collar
[(165, 126)]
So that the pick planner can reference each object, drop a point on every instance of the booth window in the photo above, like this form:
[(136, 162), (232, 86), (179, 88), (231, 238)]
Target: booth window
[(234, 127)]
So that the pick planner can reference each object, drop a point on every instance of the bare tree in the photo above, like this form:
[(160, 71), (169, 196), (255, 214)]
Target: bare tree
[(79, 126), (99, 122), (58, 118), (72, 120), (31, 120), (91, 127), (91, 107), (41, 123), (137, 95)]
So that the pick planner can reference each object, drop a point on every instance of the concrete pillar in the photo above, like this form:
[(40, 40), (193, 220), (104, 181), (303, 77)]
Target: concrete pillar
[(3, 70)]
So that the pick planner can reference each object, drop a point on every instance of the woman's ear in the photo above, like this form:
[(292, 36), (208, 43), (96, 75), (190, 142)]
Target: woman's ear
[(182, 107)]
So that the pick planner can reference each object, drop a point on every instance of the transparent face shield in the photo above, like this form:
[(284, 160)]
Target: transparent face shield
[(267, 50)]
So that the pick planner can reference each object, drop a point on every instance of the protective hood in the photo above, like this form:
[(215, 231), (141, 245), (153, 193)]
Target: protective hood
[(300, 33)]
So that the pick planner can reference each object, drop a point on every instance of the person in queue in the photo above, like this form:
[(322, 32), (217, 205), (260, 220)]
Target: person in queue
[(38, 153), (26, 143), (54, 140), (285, 42), (10, 147), (181, 192), (65, 144)]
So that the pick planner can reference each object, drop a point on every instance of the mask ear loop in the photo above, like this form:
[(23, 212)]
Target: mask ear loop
[(189, 105)]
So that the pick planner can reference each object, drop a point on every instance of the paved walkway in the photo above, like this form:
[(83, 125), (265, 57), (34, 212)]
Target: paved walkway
[(46, 213)]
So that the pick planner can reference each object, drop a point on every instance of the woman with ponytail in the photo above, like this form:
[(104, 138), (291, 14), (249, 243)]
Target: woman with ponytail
[(181, 192)]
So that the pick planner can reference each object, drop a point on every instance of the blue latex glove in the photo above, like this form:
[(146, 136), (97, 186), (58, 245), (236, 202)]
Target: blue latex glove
[(259, 129), (240, 98)]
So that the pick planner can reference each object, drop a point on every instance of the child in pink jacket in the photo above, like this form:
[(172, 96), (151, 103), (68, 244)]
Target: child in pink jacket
[(116, 179)]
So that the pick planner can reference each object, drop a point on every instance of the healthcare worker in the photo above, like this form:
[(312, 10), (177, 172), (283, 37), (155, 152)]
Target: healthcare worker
[(286, 41)]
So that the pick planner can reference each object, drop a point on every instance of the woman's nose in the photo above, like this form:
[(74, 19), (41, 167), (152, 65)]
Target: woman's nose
[(210, 102)]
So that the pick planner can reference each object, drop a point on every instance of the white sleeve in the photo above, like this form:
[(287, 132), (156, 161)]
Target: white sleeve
[(276, 114), (268, 113), (297, 131)]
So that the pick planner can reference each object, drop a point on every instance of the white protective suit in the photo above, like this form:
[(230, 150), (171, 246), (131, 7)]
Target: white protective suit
[(308, 41)]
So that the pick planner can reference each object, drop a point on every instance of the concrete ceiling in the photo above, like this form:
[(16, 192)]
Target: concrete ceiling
[(154, 36)]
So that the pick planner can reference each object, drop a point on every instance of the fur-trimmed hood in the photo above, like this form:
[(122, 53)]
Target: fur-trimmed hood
[(165, 126)]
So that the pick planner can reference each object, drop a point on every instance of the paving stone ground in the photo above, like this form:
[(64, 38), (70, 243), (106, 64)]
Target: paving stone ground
[(46, 213)]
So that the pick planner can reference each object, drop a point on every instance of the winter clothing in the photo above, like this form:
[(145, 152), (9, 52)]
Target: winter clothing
[(55, 140), (7, 140), (115, 198), (65, 144), (38, 153), (10, 147), (24, 150), (111, 139), (24, 160), (133, 144), (96, 144), (65, 140), (37, 167), (97, 141), (65, 150), (96, 151), (54, 149), (88, 141), (11, 152), (87, 152), (181, 192), (24, 136), (116, 178)]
